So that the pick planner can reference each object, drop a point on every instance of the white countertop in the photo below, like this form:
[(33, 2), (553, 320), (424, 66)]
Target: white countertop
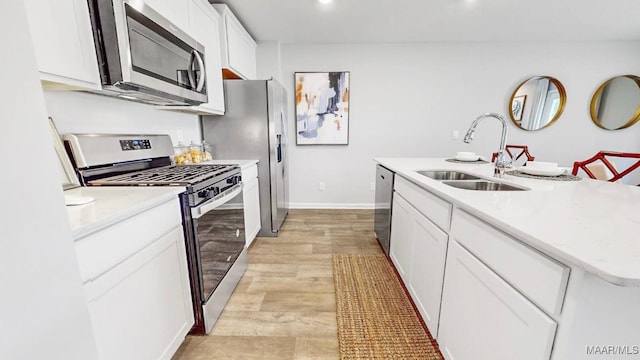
[(112, 204), (242, 163), (592, 224), (115, 203)]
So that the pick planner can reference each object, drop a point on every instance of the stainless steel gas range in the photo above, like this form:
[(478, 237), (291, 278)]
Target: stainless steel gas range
[(212, 207)]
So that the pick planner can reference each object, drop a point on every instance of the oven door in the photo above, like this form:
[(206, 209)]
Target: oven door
[(218, 227)]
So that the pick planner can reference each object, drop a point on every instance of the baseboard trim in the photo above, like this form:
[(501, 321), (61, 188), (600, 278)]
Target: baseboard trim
[(331, 206)]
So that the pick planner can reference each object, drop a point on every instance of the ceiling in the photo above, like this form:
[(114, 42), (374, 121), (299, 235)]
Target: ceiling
[(406, 21)]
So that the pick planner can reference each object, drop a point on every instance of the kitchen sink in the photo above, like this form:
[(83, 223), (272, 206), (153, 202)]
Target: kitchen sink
[(483, 185), (447, 175)]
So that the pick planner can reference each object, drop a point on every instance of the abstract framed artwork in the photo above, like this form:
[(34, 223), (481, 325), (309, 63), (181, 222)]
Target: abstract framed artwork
[(517, 106), (322, 108)]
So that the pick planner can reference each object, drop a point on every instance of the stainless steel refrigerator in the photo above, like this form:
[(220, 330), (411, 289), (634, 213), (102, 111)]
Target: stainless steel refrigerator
[(254, 126)]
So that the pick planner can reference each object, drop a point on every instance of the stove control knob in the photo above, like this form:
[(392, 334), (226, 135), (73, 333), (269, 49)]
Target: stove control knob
[(204, 193)]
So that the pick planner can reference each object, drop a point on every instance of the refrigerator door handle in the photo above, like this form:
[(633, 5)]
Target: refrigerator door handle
[(279, 147)]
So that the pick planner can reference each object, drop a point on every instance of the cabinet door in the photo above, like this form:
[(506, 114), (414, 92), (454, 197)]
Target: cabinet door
[(205, 27), (251, 198), (141, 309), (241, 50), (483, 317), (401, 242), (418, 250), (176, 11), (238, 48), (427, 269), (63, 43)]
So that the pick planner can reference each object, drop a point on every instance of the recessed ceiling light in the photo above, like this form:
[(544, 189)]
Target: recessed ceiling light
[(325, 1)]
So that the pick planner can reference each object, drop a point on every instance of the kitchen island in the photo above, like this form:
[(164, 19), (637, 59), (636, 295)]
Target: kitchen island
[(551, 272)]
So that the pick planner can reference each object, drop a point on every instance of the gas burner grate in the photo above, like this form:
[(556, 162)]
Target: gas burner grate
[(167, 175)]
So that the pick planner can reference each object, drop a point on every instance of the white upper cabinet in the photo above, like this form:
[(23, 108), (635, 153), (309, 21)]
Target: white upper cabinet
[(203, 24), (63, 43), (205, 27), (238, 48), (176, 11)]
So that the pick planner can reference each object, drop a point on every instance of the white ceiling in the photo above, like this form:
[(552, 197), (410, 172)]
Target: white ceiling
[(392, 21)]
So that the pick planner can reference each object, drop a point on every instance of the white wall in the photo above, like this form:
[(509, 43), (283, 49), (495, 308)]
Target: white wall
[(407, 99), (43, 311), (268, 61), (80, 112)]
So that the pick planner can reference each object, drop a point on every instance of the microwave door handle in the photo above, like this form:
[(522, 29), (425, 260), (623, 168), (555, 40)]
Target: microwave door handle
[(190, 71), (202, 77)]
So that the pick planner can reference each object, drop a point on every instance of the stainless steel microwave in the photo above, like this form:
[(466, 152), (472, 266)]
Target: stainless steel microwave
[(144, 57)]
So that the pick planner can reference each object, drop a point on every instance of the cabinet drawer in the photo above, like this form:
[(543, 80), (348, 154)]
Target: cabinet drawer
[(100, 251), (431, 206), (540, 278)]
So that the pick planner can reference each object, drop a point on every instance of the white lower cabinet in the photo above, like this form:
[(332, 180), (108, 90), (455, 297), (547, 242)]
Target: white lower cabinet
[(483, 317), (496, 297), (140, 307), (401, 237), (418, 250), (427, 270), (251, 198)]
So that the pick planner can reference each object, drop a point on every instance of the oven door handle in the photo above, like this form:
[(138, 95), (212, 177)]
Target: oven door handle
[(200, 210)]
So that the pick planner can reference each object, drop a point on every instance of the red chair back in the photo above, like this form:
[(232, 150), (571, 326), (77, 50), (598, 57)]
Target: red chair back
[(518, 150), (603, 156)]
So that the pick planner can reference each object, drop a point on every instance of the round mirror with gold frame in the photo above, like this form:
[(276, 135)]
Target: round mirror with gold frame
[(616, 103), (537, 103)]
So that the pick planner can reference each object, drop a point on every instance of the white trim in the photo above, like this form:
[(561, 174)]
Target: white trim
[(331, 206)]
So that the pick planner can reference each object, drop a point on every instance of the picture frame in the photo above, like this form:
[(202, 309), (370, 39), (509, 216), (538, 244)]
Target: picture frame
[(517, 106), (322, 107), (68, 176)]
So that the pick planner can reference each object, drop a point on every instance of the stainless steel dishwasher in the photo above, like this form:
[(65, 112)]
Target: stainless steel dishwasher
[(384, 197)]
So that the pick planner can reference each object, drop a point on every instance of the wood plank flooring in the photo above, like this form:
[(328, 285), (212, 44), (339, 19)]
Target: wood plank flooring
[(284, 306)]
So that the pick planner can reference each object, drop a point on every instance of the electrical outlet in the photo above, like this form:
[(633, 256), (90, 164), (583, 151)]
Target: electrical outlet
[(321, 186), (372, 186), (455, 134)]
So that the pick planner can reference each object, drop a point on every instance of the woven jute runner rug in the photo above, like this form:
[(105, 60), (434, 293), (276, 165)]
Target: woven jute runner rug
[(376, 319)]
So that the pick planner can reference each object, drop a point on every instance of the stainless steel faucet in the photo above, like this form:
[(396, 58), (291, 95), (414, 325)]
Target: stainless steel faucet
[(502, 161)]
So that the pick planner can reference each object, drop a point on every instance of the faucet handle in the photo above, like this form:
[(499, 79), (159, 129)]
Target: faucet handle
[(502, 163)]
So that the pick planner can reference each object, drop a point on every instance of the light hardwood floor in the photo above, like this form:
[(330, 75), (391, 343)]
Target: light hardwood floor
[(284, 305)]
